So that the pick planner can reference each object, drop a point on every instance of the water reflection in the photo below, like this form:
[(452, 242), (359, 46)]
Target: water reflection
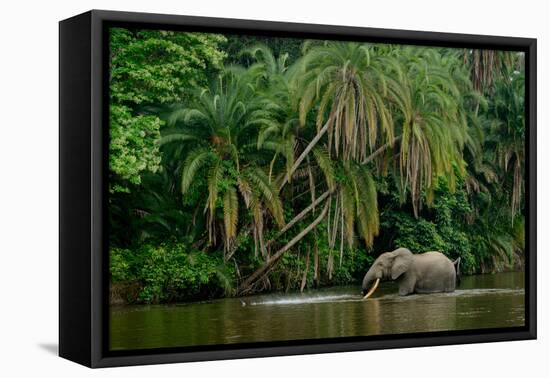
[(487, 301)]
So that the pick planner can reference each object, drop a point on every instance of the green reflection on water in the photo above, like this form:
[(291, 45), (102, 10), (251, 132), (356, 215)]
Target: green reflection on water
[(484, 301)]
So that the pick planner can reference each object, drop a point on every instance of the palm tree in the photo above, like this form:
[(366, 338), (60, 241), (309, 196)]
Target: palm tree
[(488, 67), (354, 205), (427, 95), (272, 68), (507, 134), (273, 79), (220, 128), (433, 126), (345, 84)]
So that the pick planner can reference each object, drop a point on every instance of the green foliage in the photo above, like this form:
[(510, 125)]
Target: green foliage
[(237, 44), (350, 269), (508, 135), (433, 127), (222, 122), (346, 82), (168, 273), (120, 265), (221, 175), (446, 228), (150, 68), (133, 146)]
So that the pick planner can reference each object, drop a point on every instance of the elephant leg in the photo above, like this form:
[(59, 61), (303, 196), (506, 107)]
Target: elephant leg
[(406, 285), (451, 282)]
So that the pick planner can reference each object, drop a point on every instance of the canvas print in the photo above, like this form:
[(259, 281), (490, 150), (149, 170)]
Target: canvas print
[(268, 189)]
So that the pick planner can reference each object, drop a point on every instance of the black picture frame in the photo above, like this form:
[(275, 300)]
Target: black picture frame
[(83, 141)]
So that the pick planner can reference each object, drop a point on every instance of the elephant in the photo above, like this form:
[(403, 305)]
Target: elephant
[(429, 272)]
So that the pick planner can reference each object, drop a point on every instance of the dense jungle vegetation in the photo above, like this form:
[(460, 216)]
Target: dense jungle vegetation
[(244, 164)]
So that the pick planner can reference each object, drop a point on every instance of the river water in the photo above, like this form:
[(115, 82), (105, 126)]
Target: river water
[(482, 301)]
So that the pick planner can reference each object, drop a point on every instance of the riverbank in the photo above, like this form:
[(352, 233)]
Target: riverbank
[(127, 293)]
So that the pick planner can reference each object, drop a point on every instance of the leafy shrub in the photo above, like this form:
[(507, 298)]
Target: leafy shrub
[(170, 273), (120, 265)]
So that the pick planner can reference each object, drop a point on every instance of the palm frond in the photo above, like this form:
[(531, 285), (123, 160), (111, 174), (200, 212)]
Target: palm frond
[(195, 160), (230, 215), (325, 163)]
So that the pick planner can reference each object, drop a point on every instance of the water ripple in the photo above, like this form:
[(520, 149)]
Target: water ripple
[(311, 299), (350, 298)]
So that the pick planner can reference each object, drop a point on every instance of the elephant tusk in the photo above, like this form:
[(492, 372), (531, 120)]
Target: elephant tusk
[(372, 289)]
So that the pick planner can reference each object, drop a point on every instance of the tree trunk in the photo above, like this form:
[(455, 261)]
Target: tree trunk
[(235, 245), (304, 277), (305, 153), (300, 216), (316, 274), (260, 272), (381, 149)]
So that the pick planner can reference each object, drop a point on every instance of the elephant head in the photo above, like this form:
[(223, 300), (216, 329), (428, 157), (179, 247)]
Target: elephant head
[(388, 266)]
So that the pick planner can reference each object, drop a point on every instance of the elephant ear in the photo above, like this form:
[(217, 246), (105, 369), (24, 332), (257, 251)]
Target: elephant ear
[(401, 262)]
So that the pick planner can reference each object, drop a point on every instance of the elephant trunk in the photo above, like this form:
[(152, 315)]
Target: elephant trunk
[(367, 280)]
